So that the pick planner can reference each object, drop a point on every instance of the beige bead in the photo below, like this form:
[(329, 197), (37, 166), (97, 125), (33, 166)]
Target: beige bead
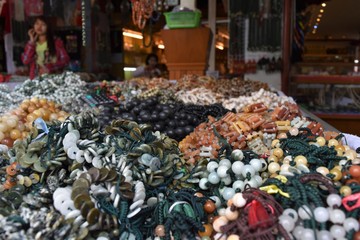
[(233, 237), (333, 142), (273, 158), (278, 152), (219, 222), (294, 131), (238, 200), (285, 167), (231, 215), (350, 154), (273, 167), (275, 143), (323, 171), (321, 141), (300, 160), (281, 135)]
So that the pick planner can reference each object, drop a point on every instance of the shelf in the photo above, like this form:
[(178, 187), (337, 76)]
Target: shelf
[(337, 115), (340, 64), (327, 55), (322, 79)]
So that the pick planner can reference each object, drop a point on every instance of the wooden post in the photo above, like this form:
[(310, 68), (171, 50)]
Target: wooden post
[(286, 42), (212, 26)]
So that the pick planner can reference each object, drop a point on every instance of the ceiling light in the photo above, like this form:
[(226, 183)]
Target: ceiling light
[(323, 4), (129, 69), (321, 10), (319, 15), (318, 19), (356, 61), (161, 46), (132, 34), (315, 26)]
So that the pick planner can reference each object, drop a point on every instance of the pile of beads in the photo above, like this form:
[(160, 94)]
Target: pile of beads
[(175, 119), (58, 88), (226, 177), (255, 129), (270, 99), (16, 124)]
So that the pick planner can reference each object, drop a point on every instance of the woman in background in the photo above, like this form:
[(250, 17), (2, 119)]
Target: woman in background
[(151, 69), (44, 53)]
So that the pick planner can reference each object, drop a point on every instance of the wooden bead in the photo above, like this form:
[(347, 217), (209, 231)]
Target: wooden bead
[(354, 171), (356, 236), (207, 232), (209, 206), (160, 231)]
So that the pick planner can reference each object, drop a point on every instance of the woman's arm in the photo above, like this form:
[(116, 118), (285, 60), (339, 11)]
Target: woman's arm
[(29, 53), (139, 72), (62, 58)]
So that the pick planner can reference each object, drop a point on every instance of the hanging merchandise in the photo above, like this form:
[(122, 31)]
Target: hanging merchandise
[(141, 11), (54, 8), (19, 10), (265, 26), (33, 8), (237, 36)]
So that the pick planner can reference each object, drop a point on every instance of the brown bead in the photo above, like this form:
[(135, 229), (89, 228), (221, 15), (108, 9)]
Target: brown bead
[(207, 232), (127, 194), (199, 195), (354, 171), (77, 191), (80, 199), (356, 236), (93, 216), (86, 207), (104, 172), (160, 231), (209, 206), (81, 182), (112, 175), (86, 176), (94, 173)]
